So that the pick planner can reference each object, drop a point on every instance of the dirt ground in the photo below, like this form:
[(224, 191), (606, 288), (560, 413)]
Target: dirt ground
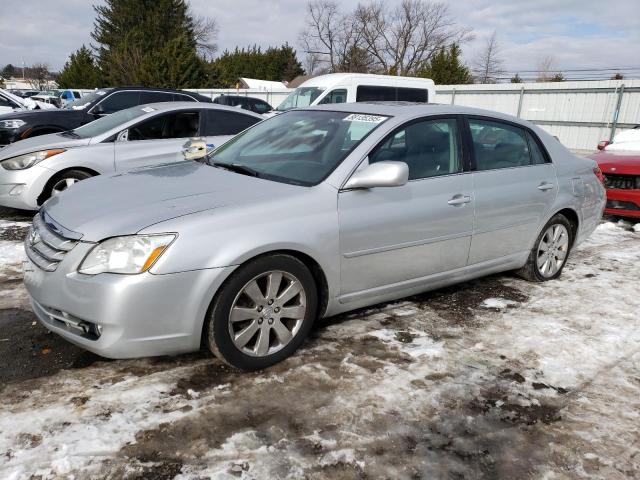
[(496, 378)]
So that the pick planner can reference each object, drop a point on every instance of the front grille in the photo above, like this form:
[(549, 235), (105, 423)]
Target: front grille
[(44, 247), (620, 205), (622, 182)]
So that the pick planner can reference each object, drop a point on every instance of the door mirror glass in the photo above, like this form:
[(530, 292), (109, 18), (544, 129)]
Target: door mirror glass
[(196, 149), (380, 174), (123, 136), (98, 110)]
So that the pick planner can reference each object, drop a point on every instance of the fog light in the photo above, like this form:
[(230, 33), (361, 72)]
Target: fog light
[(18, 190)]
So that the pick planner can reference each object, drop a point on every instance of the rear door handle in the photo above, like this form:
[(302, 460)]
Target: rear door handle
[(544, 186), (459, 200)]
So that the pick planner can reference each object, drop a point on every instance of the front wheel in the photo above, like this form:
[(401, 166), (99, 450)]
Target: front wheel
[(550, 252), (263, 312), (62, 181)]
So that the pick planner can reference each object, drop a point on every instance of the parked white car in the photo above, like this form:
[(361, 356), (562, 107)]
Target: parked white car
[(37, 168), (12, 103), (358, 87)]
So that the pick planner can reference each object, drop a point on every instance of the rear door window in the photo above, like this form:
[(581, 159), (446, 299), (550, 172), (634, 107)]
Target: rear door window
[(171, 125), (227, 123), (498, 145), (366, 93), (155, 97), (413, 95)]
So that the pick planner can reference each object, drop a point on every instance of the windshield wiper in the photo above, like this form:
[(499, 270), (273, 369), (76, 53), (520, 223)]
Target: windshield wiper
[(236, 167)]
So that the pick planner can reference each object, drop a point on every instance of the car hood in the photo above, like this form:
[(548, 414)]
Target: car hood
[(42, 142), (29, 115), (623, 163), (124, 204)]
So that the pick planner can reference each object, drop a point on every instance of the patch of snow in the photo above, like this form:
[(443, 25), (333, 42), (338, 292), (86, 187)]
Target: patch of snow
[(498, 303)]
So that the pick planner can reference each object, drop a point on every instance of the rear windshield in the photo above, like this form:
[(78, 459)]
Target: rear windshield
[(299, 147), (84, 102)]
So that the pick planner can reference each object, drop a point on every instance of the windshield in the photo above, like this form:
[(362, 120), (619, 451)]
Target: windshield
[(300, 147), (108, 122), (300, 97), (83, 102)]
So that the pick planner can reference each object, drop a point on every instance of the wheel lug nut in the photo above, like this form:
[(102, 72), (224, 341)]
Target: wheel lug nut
[(271, 321), (277, 309), (259, 321), (260, 308), (270, 302)]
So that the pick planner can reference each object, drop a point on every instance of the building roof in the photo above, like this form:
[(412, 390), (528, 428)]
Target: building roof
[(266, 85)]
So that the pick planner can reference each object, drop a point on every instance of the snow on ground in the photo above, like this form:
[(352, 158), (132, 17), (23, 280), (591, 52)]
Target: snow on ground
[(497, 378)]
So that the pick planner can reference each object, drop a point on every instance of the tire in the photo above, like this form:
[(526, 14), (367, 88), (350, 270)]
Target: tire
[(64, 179), (548, 255), (255, 339)]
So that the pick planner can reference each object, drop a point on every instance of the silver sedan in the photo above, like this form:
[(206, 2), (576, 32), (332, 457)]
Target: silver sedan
[(34, 169), (308, 214)]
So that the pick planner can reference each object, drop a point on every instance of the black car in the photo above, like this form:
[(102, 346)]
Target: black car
[(19, 125), (248, 103)]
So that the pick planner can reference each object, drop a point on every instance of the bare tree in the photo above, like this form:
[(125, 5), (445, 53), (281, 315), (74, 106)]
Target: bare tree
[(329, 35), (546, 66), (205, 32), (39, 76), (402, 39), (488, 65)]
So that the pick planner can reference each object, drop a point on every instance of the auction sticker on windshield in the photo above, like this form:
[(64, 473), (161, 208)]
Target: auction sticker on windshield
[(360, 117)]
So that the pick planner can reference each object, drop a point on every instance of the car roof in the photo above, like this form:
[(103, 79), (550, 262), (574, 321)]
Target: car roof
[(410, 109), (172, 106)]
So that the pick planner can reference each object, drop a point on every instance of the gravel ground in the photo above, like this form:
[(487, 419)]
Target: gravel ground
[(496, 378)]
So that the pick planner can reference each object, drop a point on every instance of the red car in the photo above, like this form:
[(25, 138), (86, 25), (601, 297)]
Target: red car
[(621, 170)]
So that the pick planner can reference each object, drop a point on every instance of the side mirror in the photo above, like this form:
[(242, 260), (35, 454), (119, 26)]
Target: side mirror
[(603, 144), (195, 149), (98, 110), (380, 174), (123, 136)]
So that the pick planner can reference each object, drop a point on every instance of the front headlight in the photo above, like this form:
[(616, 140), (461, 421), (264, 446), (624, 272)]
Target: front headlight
[(29, 159), (128, 255), (12, 124)]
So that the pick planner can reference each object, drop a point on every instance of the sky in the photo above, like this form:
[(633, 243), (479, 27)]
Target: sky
[(577, 33)]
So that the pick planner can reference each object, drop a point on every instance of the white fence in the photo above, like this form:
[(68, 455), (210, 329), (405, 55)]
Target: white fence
[(580, 114)]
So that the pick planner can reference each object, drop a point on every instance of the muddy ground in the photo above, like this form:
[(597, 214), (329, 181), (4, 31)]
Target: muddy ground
[(496, 378)]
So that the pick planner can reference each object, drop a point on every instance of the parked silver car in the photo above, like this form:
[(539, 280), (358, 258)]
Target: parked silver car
[(36, 168), (308, 214)]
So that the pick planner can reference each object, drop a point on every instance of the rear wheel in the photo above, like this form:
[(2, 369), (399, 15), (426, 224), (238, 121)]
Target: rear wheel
[(550, 252), (263, 312), (62, 181)]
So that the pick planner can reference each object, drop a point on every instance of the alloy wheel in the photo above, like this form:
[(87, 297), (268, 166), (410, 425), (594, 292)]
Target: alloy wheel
[(267, 313), (62, 184), (552, 250)]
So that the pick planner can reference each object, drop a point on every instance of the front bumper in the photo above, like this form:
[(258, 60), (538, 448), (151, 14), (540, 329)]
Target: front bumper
[(21, 188), (9, 135), (623, 203), (137, 315)]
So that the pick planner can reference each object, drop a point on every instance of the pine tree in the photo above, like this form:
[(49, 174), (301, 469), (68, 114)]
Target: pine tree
[(9, 71), (80, 71), (147, 42), (445, 67), (516, 78), (275, 63)]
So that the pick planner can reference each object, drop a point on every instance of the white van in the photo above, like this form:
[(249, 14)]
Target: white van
[(358, 87)]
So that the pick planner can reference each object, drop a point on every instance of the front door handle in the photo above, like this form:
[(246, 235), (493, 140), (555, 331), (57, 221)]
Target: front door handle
[(544, 186), (459, 200)]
